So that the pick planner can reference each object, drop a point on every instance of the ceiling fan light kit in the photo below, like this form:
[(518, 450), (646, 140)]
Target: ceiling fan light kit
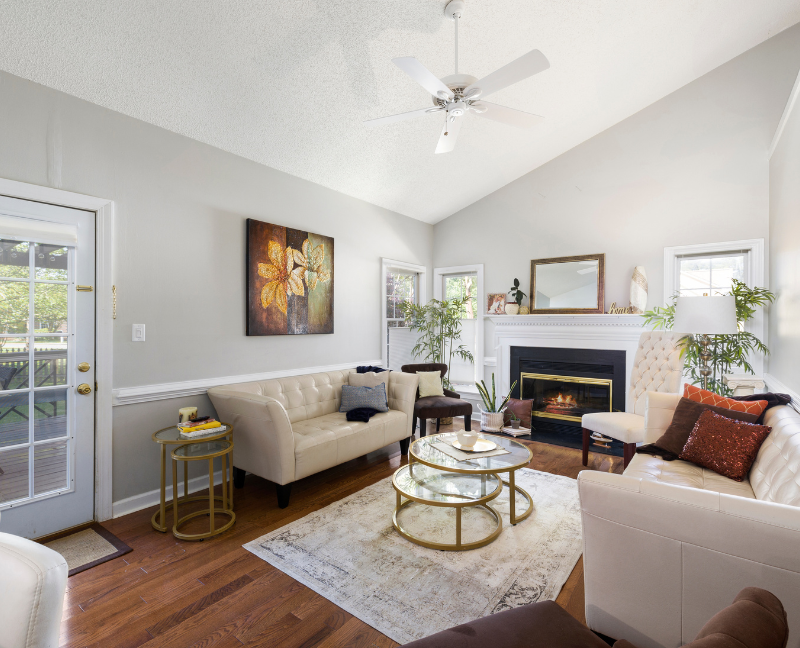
[(458, 94)]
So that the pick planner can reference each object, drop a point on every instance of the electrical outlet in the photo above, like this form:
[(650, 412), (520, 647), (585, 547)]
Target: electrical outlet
[(138, 332)]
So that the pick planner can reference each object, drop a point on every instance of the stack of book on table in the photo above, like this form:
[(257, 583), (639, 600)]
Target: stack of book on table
[(200, 427)]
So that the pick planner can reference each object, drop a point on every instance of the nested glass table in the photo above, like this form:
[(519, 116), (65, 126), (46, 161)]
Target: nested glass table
[(171, 436), (434, 478)]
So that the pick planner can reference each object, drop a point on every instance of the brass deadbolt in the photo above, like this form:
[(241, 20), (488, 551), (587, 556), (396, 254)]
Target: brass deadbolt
[(84, 366), (84, 389)]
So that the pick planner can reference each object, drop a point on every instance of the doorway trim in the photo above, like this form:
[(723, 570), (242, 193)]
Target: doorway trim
[(104, 323)]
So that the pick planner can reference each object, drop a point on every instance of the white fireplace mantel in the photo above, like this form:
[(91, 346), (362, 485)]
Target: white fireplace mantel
[(610, 332)]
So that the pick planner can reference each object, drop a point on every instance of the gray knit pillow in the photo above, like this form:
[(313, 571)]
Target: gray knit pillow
[(372, 397)]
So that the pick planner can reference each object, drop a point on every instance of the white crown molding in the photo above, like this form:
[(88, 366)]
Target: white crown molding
[(163, 391), (776, 386), (536, 321), (152, 498), (787, 111)]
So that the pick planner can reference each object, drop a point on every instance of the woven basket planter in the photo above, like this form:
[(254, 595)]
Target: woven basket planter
[(492, 421)]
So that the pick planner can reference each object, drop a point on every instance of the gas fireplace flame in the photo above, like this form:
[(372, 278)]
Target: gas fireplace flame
[(562, 400)]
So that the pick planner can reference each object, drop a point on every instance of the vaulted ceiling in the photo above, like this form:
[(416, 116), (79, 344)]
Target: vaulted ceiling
[(288, 83)]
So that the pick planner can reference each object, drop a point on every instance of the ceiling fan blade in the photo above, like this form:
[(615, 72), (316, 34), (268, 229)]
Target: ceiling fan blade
[(422, 75), (525, 66), (509, 116), (396, 118), (448, 142)]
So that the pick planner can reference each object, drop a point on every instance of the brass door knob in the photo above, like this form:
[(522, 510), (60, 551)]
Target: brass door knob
[(84, 366), (84, 389)]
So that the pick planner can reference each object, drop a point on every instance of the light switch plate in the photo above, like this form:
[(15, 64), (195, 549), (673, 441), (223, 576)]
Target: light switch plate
[(138, 333)]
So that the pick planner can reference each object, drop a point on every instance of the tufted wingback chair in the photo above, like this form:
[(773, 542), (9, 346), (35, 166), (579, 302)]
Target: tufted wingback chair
[(657, 367)]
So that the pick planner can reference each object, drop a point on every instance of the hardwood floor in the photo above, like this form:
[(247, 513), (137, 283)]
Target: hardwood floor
[(167, 592)]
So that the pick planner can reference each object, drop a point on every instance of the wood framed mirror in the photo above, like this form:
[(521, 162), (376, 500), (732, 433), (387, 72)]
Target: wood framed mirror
[(568, 285)]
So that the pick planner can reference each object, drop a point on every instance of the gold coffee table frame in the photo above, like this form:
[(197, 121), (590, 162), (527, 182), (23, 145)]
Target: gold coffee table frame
[(444, 467), (225, 449), (159, 519), (481, 502)]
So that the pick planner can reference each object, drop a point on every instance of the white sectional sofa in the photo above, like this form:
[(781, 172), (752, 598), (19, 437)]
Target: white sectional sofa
[(289, 428), (669, 544)]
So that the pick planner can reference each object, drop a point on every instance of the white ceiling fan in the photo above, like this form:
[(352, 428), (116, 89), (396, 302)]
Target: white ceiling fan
[(458, 94)]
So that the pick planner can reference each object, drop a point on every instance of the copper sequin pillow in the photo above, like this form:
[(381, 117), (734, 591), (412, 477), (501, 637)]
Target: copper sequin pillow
[(723, 445)]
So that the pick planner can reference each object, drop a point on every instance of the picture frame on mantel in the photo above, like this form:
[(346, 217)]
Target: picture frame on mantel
[(572, 285)]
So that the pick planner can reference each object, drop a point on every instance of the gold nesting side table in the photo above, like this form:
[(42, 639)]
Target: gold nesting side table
[(171, 436), (205, 451)]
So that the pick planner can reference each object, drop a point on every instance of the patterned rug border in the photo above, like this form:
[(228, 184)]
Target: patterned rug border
[(555, 584)]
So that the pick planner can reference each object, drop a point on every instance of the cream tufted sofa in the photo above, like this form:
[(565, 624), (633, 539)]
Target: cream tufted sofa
[(657, 367), (668, 544), (290, 428)]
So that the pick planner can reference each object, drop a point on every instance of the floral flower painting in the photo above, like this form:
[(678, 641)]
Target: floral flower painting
[(289, 281)]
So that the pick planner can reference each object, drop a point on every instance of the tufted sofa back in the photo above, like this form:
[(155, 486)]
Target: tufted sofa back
[(303, 397), (775, 475), (657, 366)]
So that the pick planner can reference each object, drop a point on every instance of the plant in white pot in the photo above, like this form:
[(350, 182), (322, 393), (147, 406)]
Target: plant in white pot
[(492, 415), (512, 308)]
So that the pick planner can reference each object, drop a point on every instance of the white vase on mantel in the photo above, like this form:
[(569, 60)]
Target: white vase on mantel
[(492, 421), (512, 308), (639, 290)]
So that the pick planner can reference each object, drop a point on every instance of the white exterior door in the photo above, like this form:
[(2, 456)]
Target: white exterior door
[(47, 340)]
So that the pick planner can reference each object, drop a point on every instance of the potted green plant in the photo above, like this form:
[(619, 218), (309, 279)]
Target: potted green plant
[(518, 295), (728, 352), (491, 414), (514, 420)]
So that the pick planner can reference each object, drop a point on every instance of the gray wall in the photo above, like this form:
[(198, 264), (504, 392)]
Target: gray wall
[(784, 254), (691, 168), (171, 194)]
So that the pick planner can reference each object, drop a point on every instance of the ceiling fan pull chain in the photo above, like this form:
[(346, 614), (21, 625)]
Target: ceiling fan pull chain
[(446, 120)]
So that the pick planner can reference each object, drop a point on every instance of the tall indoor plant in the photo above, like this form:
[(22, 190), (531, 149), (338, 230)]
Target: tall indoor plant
[(439, 326), (728, 352)]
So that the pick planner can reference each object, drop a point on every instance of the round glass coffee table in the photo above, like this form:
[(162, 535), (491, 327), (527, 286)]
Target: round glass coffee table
[(435, 478)]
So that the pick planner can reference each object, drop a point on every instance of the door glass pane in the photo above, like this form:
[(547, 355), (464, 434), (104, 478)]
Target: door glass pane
[(50, 414), (14, 259), (49, 468), (13, 363), (50, 361), (13, 475), (50, 308), (13, 418), (51, 262), (14, 306)]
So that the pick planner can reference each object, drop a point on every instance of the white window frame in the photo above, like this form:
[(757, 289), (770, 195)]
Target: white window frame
[(755, 276), (438, 289), (391, 264)]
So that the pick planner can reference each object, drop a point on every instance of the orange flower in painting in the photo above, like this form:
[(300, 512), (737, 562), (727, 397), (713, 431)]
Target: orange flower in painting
[(282, 277)]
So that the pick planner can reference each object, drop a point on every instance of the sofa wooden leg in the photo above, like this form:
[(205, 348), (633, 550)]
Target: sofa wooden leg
[(628, 450), (238, 477), (283, 494), (468, 422), (438, 423), (423, 427), (404, 446), (585, 447)]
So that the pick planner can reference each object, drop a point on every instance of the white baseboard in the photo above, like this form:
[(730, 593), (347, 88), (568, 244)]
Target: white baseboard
[(162, 391), (152, 498), (775, 385)]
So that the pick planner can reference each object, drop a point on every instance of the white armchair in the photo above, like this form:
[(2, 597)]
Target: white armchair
[(33, 581), (658, 367)]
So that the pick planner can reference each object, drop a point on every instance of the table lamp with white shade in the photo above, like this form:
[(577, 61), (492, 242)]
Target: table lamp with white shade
[(706, 316)]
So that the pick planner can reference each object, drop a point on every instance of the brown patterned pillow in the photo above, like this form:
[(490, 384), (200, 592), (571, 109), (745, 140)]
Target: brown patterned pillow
[(522, 410), (723, 445)]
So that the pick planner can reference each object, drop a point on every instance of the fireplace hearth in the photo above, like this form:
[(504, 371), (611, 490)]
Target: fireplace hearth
[(564, 384)]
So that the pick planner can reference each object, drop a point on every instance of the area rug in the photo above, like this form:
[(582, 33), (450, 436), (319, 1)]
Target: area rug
[(349, 553), (88, 547)]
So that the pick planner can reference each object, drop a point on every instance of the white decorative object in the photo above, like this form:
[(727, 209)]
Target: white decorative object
[(492, 421), (467, 439), (349, 553), (512, 308), (639, 290), (743, 384)]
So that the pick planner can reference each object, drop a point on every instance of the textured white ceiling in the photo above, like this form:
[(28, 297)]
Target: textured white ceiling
[(288, 83)]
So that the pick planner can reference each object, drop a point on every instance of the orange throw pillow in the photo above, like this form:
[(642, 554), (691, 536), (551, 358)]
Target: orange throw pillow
[(710, 398)]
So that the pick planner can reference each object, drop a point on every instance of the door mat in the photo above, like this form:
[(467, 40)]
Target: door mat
[(88, 547)]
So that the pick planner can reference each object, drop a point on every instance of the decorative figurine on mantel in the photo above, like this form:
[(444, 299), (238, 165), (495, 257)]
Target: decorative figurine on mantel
[(513, 308)]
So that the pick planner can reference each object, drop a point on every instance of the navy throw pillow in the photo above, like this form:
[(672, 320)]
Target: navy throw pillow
[(371, 397)]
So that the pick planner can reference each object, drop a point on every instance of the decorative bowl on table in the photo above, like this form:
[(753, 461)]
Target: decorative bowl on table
[(467, 439)]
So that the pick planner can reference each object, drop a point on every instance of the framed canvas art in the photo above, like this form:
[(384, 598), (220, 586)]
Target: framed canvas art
[(289, 281)]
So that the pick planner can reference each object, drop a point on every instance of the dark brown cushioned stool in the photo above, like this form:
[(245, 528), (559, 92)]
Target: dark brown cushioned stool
[(437, 407), (756, 619)]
